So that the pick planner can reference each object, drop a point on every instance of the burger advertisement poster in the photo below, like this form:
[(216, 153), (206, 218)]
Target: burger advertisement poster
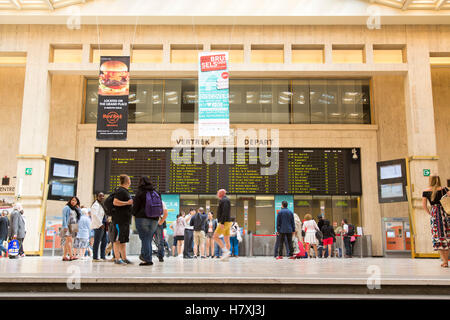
[(113, 90)]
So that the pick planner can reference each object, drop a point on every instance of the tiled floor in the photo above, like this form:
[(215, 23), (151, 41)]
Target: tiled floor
[(236, 270)]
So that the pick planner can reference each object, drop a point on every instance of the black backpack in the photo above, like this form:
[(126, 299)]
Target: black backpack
[(109, 204), (351, 230)]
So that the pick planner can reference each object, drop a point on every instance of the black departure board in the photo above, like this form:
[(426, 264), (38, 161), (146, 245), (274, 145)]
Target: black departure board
[(204, 171)]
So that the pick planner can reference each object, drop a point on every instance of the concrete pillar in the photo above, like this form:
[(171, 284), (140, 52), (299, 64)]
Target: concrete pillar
[(421, 137), (31, 164)]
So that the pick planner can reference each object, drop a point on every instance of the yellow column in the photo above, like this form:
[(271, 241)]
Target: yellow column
[(421, 136), (31, 164)]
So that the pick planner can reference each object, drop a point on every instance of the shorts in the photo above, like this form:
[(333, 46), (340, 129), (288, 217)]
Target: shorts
[(210, 235), (199, 238), (224, 229), (328, 241), (81, 243), (119, 232)]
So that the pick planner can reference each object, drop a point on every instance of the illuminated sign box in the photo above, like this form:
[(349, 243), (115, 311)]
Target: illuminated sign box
[(63, 178)]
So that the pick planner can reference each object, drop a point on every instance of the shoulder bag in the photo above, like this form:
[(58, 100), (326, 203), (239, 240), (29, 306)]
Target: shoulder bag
[(445, 202)]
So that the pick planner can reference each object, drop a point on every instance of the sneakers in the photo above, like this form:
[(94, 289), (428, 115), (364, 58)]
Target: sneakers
[(225, 255), (120, 261), (146, 264), (292, 258), (161, 259), (279, 258), (127, 261), (203, 257)]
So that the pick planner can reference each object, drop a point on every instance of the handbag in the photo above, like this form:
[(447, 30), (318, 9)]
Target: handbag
[(319, 235), (445, 203), (73, 228)]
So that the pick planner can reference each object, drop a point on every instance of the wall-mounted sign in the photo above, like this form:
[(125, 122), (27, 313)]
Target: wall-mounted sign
[(63, 178), (28, 171), (113, 91), (426, 172)]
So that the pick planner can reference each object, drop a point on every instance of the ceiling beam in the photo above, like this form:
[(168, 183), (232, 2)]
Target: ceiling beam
[(390, 3), (439, 4), (406, 4), (50, 5), (16, 4)]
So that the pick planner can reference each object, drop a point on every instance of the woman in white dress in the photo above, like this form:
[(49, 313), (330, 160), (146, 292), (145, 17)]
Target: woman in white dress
[(310, 227)]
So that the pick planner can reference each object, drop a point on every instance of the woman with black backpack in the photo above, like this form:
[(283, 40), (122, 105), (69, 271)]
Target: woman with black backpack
[(146, 226)]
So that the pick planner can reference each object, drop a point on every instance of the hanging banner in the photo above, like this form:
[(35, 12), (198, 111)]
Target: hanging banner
[(213, 93), (278, 200), (113, 90), (172, 202)]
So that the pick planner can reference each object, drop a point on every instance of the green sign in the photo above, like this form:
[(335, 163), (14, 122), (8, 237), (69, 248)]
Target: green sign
[(426, 172), (28, 171)]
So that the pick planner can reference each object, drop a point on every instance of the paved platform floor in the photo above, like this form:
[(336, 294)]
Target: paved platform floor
[(237, 270)]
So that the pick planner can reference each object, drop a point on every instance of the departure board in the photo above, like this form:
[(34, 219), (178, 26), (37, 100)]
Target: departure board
[(245, 171)]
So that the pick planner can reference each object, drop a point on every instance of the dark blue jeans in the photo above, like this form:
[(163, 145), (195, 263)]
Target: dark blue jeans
[(2, 248), (99, 240), (188, 243), (159, 239), (277, 245), (348, 246), (146, 229)]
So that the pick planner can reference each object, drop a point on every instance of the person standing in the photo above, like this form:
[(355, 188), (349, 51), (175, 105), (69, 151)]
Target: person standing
[(297, 234), (159, 235), (178, 235), (234, 238), (146, 226), (348, 230), (4, 225), (285, 229), (71, 215), (310, 227), (81, 242), (188, 251), (210, 227), (328, 238), (439, 219), (99, 227), (17, 229), (121, 220), (198, 221), (224, 223)]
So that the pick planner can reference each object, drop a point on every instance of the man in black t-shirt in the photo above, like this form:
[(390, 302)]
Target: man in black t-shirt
[(224, 226), (121, 220)]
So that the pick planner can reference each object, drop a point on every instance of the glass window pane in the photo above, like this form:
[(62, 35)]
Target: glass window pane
[(265, 214), (145, 101), (300, 101), (318, 100), (302, 206), (91, 106)]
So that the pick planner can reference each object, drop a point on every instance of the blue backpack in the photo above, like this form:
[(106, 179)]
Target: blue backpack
[(153, 205)]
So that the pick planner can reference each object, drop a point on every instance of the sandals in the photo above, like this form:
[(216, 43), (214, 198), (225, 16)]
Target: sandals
[(444, 265)]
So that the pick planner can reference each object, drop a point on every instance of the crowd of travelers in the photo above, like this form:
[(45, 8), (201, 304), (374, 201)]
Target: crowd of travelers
[(309, 238), (105, 228)]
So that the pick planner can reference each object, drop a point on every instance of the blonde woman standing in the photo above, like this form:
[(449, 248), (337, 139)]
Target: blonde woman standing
[(440, 224), (310, 227)]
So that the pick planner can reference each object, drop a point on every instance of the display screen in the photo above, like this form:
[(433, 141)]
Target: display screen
[(63, 189), (391, 171), (204, 171), (63, 170), (394, 190)]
